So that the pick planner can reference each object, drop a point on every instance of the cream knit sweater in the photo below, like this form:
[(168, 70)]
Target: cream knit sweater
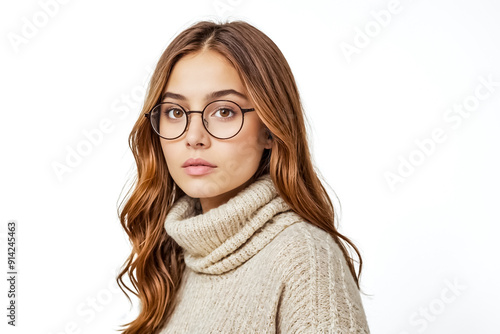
[(255, 266)]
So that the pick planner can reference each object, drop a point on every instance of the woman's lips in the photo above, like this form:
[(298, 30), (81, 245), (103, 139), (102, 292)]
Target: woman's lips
[(197, 162), (198, 170)]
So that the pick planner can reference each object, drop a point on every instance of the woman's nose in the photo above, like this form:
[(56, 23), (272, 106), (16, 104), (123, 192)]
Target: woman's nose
[(196, 133)]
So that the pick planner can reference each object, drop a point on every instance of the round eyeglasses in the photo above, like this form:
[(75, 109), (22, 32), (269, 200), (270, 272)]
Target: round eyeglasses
[(223, 119)]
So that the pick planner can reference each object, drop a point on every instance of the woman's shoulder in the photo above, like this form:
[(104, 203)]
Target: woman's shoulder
[(303, 247), (319, 292), (304, 238)]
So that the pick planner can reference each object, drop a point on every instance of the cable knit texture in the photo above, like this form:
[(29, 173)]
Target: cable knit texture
[(255, 266)]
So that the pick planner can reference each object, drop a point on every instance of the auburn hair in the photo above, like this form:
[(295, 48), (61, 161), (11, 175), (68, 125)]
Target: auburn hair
[(156, 265)]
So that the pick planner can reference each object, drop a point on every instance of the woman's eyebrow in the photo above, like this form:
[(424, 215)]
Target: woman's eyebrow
[(213, 95)]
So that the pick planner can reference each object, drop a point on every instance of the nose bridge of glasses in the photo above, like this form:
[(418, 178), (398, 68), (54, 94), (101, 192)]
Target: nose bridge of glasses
[(204, 121), (194, 112)]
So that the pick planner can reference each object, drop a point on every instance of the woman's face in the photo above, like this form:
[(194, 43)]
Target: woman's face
[(193, 78)]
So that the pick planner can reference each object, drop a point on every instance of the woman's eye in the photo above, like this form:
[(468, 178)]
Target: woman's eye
[(223, 113), (175, 113)]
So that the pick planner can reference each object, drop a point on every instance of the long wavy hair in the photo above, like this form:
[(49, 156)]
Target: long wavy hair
[(156, 265)]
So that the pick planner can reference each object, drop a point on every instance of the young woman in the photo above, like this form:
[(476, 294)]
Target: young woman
[(232, 230)]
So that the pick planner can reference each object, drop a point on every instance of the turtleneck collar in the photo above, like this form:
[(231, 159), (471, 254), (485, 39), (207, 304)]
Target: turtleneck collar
[(224, 237)]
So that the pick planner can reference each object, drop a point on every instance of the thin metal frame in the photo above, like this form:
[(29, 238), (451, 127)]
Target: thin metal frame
[(188, 112)]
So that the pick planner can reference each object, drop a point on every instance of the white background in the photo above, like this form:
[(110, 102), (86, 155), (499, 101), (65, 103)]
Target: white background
[(436, 228)]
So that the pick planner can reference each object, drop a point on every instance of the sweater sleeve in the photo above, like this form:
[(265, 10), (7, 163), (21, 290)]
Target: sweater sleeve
[(319, 294)]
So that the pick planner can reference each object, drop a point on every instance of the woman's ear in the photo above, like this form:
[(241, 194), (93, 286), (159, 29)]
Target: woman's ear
[(269, 140)]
